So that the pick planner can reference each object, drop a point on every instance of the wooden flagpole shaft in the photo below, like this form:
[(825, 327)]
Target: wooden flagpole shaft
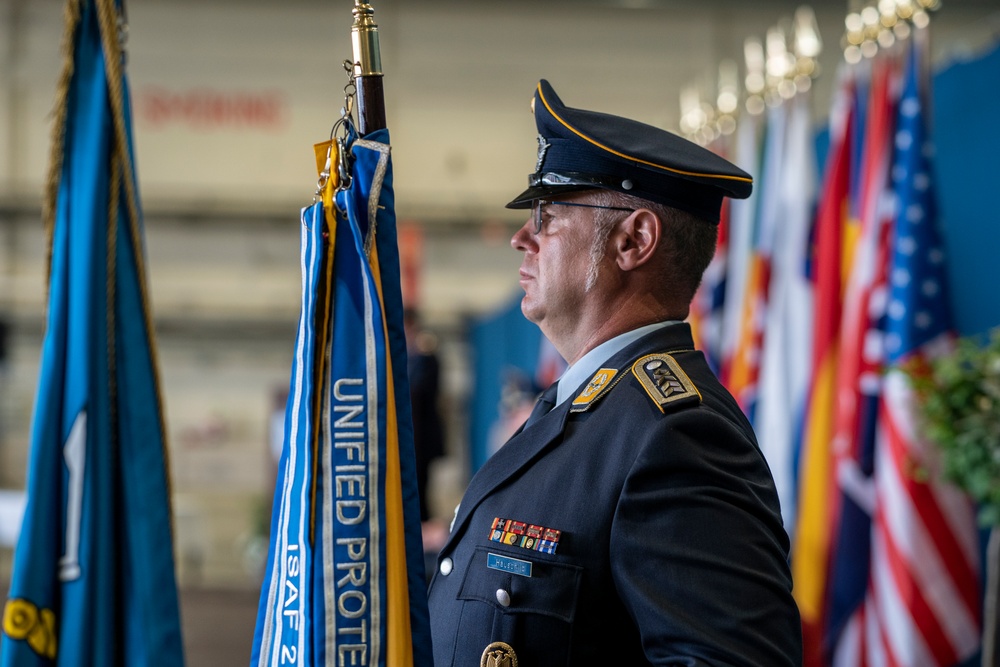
[(367, 69)]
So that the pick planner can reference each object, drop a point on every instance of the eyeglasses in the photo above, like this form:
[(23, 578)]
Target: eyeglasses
[(536, 209)]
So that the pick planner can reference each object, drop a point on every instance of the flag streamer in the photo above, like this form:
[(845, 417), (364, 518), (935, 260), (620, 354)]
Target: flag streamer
[(345, 582)]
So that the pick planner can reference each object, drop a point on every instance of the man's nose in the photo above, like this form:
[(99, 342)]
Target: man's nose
[(523, 237)]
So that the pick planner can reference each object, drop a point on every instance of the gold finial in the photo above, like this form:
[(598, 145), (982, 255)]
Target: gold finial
[(364, 37)]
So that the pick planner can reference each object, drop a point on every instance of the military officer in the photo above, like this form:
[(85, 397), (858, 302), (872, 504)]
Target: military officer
[(636, 521)]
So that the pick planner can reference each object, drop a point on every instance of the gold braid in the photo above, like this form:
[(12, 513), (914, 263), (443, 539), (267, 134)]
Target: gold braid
[(72, 16), (122, 172), (107, 20)]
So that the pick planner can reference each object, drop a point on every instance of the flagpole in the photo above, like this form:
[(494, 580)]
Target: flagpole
[(368, 69)]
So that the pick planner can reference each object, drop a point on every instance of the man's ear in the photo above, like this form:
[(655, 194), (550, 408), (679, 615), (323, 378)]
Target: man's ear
[(636, 239)]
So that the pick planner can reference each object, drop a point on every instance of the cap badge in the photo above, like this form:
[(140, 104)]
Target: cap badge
[(543, 148), (664, 380), (498, 654)]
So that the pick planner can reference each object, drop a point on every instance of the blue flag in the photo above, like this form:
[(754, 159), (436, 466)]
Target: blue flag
[(93, 579), (344, 583)]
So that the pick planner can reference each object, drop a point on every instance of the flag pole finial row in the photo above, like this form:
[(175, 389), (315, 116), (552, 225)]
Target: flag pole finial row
[(881, 23), (777, 68)]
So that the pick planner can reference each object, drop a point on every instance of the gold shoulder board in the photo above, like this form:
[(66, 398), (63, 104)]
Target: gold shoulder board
[(665, 382)]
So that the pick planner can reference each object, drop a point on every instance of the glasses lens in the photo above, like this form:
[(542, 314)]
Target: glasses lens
[(536, 209)]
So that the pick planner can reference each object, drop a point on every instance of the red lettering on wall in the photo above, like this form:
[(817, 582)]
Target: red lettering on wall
[(206, 110)]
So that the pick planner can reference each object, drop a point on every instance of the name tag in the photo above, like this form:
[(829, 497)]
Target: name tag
[(507, 564)]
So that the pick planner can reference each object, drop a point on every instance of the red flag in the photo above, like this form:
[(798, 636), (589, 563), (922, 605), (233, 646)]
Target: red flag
[(811, 535), (858, 379)]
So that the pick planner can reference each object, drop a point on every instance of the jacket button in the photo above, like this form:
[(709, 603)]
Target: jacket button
[(503, 597), (446, 566)]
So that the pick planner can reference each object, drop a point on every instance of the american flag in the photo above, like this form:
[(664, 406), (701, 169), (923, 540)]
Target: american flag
[(922, 600)]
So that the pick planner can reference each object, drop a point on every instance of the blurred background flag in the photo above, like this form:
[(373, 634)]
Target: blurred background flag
[(344, 583), (786, 349), (744, 372), (861, 360), (810, 533), (739, 250), (93, 580), (707, 306)]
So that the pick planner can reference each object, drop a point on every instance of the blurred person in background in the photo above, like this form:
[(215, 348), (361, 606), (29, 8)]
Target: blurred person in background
[(424, 371)]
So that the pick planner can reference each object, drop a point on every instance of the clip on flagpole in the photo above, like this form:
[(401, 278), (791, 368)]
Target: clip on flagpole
[(338, 148)]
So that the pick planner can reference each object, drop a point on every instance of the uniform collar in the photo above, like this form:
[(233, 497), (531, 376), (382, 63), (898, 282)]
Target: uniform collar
[(525, 446), (588, 364)]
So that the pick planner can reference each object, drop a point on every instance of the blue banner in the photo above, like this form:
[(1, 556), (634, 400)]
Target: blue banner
[(93, 579), (344, 583)]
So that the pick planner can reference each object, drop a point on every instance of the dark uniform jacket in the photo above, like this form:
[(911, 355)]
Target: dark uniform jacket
[(670, 548)]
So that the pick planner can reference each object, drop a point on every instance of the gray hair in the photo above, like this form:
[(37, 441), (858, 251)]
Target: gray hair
[(689, 243)]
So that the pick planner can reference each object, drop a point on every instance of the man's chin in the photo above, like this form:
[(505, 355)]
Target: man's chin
[(529, 311)]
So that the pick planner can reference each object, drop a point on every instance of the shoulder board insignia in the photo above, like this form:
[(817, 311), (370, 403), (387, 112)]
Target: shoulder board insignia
[(599, 385), (664, 380)]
